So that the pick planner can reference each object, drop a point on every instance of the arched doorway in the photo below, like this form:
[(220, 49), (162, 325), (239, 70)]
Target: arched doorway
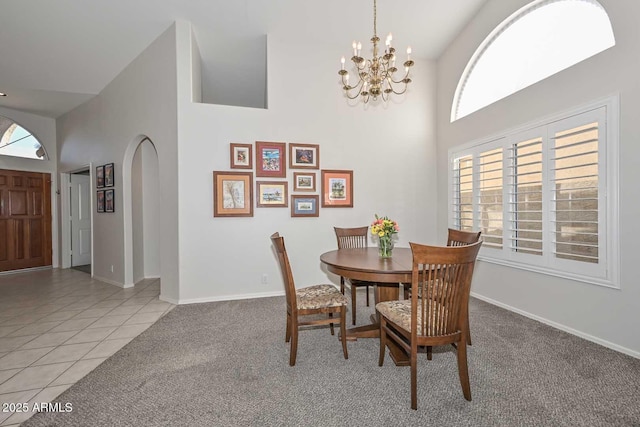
[(145, 205)]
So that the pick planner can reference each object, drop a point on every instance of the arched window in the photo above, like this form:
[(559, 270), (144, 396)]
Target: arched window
[(539, 40), (18, 142)]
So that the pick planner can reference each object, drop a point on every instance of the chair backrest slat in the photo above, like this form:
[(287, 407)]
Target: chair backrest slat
[(462, 238), (285, 267), (351, 237), (443, 275)]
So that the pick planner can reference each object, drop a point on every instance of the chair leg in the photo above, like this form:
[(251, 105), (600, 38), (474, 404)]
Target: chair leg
[(342, 285), (463, 369), (331, 324), (383, 340), (294, 341), (367, 288), (343, 330), (414, 376), (429, 352), (353, 304), (287, 335), (468, 329)]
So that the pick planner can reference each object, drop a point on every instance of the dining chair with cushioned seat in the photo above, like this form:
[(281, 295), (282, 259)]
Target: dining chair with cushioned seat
[(443, 275), (355, 237), (456, 238), (312, 300)]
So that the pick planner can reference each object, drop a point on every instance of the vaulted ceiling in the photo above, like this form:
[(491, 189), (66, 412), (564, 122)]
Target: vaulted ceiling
[(57, 54)]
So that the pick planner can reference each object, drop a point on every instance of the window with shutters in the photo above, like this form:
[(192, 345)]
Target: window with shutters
[(544, 195)]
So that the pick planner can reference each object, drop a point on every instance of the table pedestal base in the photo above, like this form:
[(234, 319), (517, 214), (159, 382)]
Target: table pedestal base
[(383, 292)]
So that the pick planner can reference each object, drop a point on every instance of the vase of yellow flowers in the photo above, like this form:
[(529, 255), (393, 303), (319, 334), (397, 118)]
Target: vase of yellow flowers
[(384, 228)]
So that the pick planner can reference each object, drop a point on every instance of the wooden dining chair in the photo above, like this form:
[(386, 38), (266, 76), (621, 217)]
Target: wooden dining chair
[(456, 238), (353, 238), (312, 300), (443, 275)]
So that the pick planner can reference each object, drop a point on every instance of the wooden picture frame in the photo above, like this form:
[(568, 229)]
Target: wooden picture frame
[(337, 188), (99, 176), (304, 205), (109, 200), (108, 175), (271, 159), (232, 194), (272, 194), (241, 156), (100, 201), (304, 181), (304, 156)]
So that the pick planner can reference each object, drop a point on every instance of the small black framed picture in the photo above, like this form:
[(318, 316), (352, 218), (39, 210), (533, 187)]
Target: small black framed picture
[(109, 200), (99, 176), (100, 201), (108, 175)]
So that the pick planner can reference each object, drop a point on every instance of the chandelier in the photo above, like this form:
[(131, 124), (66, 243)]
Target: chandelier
[(376, 75)]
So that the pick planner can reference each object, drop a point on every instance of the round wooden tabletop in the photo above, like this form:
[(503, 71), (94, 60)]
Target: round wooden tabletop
[(366, 264)]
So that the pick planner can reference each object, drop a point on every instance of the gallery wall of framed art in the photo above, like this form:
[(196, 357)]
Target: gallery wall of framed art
[(233, 194)]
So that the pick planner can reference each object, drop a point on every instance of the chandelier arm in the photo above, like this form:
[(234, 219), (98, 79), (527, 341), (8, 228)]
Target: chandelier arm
[(399, 93), (347, 89)]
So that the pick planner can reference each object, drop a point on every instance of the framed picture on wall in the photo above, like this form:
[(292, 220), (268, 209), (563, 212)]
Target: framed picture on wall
[(303, 181), (109, 200), (304, 156), (100, 201), (232, 194), (337, 189), (99, 176), (108, 175), (241, 156), (272, 194), (271, 159), (304, 205)]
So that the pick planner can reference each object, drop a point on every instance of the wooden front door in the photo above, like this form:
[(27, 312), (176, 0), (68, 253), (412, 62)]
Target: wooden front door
[(25, 219)]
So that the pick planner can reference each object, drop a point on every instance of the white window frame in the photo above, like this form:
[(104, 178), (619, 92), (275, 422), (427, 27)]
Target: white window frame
[(606, 272)]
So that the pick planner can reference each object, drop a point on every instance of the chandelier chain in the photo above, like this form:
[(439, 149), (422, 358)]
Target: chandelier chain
[(375, 20)]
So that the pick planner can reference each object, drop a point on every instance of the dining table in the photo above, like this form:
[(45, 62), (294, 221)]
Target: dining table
[(386, 275)]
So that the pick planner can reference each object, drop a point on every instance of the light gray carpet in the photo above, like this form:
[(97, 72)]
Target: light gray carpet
[(226, 364)]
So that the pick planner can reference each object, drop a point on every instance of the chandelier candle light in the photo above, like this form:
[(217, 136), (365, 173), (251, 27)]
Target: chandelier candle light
[(376, 75), (384, 228)]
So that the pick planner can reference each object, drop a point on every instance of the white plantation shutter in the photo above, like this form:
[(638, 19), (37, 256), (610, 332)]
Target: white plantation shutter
[(462, 193), (578, 192), (525, 197), (544, 196), (490, 189)]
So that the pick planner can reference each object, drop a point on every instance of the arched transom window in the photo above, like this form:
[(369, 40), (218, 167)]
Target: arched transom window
[(539, 40), (18, 142)]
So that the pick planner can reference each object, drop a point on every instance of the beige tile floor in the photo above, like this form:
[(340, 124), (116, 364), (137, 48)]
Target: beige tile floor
[(57, 325)]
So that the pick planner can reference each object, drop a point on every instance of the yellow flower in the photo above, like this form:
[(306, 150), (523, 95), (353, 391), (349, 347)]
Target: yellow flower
[(381, 233)]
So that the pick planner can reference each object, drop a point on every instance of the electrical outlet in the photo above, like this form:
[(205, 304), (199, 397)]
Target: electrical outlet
[(265, 279)]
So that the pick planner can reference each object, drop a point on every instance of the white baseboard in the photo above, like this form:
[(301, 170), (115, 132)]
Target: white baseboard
[(112, 282), (560, 326), (226, 297), (147, 278)]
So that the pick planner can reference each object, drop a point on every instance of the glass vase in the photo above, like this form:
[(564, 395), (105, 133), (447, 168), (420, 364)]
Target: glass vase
[(385, 246)]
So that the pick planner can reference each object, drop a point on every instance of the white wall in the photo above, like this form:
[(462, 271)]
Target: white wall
[(604, 315), (390, 149), (139, 103), (44, 129)]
